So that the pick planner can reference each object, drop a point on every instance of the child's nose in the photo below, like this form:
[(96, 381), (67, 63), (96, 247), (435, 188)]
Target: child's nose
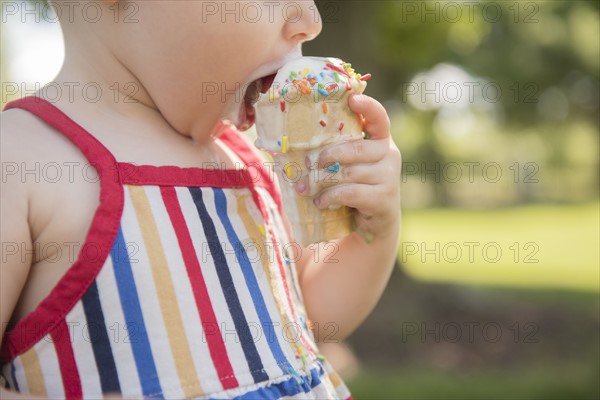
[(303, 21)]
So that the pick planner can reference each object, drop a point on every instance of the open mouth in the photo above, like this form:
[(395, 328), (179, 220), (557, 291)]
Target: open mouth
[(253, 92), (267, 81)]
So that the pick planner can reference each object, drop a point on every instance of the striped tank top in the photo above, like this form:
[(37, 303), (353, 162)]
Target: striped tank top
[(182, 289)]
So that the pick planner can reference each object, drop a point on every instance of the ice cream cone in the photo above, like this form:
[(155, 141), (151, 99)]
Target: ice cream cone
[(305, 110)]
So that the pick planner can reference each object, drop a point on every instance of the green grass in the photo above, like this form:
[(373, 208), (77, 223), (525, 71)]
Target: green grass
[(558, 290), (541, 246), (570, 382)]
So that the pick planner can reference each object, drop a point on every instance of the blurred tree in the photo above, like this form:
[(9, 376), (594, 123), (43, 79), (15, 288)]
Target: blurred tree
[(541, 59)]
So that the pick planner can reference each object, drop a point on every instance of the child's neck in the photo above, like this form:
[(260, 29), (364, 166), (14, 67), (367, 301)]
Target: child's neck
[(94, 82), (126, 121)]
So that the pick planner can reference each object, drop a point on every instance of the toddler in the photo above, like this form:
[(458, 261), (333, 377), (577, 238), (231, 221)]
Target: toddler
[(152, 257)]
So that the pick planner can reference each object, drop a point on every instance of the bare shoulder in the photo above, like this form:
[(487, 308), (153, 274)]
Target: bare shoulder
[(42, 170), (24, 138), (18, 153)]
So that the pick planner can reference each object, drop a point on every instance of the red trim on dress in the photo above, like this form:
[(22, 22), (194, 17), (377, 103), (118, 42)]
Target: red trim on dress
[(132, 174)]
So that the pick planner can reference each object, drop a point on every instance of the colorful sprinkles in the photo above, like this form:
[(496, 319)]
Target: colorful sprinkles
[(288, 170), (302, 355), (334, 75), (295, 374), (334, 168), (261, 228), (306, 81)]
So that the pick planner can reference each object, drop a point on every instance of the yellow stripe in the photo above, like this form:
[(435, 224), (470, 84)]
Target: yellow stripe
[(166, 294), (33, 373)]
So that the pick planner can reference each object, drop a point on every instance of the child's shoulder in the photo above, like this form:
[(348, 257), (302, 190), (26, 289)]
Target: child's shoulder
[(49, 196), (42, 169), (27, 139), (35, 157)]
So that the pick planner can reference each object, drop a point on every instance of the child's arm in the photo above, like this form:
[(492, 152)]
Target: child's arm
[(343, 288), (15, 234)]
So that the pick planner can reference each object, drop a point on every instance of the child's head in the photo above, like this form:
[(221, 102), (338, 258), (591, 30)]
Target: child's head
[(192, 59)]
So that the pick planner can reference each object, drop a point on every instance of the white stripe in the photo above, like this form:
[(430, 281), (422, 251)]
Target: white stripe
[(50, 367), (217, 297), (83, 351), (149, 302), (185, 299), (114, 319)]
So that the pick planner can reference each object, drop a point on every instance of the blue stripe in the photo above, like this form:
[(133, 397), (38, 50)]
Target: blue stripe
[(231, 297), (109, 379), (251, 282), (289, 387), (13, 375), (134, 319)]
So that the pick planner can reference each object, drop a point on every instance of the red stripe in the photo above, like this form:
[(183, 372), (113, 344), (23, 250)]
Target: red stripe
[(66, 361), (214, 339), (132, 174)]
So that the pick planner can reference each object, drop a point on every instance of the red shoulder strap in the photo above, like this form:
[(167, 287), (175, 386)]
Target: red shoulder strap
[(91, 148), (98, 242), (231, 137)]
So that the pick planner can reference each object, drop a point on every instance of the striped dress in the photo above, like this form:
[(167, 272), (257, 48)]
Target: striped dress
[(184, 288)]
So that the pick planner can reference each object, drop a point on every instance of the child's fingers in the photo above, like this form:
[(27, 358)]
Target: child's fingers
[(377, 122), (336, 174), (363, 197), (353, 152)]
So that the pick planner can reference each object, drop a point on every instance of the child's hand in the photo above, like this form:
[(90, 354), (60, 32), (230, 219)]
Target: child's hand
[(368, 178)]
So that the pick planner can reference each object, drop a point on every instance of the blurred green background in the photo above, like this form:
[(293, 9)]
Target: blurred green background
[(495, 107)]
